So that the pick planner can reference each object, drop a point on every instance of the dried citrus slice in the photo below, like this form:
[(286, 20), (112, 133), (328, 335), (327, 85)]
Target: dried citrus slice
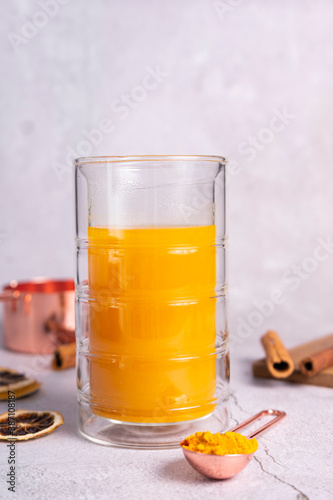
[(25, 424), (18, 383)]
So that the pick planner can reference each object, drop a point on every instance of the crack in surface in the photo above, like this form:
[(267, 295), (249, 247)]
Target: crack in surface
[(236, 422), (271, 456), (233, 396), (300, 495)]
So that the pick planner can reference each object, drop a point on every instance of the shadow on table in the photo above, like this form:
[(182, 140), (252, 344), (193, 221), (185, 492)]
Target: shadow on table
[(179, 470)]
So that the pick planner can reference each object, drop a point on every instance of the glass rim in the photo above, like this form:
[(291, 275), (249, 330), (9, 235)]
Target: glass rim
[(85, 160)]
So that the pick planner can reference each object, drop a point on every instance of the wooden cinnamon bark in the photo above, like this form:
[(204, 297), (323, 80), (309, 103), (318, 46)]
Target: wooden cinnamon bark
[(64, 356), (311, 365), (298, 353), (278, 359)]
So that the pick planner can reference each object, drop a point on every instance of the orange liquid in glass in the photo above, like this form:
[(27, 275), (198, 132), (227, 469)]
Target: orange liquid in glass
[(152, 323)]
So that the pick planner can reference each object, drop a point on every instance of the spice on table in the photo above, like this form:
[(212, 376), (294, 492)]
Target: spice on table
[(64, 356), (23, 425), (230, 443), (278, 359), (12, 381), (311, 365)]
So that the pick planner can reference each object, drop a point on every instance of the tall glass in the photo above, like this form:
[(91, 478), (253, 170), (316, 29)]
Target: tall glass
[(152, 339)]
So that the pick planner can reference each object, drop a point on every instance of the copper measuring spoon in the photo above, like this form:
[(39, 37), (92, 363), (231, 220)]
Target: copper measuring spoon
[(226, 466)]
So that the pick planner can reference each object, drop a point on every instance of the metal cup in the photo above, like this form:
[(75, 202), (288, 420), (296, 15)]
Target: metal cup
[(38, 315)]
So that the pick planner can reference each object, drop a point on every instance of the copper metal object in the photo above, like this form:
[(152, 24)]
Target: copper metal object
[(226, 466), (38, 315)]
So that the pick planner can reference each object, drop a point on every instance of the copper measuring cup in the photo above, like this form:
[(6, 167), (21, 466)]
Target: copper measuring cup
[(227, 466), (38, 315)]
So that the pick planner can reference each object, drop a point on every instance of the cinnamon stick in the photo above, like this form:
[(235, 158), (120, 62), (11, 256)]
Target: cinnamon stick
[(314, 364), (278, 359), (64, 356)]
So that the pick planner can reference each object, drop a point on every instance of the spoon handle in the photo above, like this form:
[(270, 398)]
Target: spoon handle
[(278, 416)]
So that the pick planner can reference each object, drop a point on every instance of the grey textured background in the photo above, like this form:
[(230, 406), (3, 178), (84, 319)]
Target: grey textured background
[(231, 66)]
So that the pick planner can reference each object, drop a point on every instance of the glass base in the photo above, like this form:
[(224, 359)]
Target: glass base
[(147, 436)]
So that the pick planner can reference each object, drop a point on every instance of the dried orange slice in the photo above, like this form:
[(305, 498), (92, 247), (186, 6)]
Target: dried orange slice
[(18, 383), (24, 424)]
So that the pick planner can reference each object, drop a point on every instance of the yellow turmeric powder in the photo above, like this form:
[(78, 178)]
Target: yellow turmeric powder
[(230, 443)]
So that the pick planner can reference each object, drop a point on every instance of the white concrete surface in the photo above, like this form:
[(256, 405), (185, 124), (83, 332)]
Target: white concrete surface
[(293, 462)]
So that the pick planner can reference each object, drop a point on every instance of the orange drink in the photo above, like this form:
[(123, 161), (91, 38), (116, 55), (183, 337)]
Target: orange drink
[(152, 319)]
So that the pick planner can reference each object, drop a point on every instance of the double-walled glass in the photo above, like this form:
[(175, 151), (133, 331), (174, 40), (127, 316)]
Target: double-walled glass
[(152, 339)]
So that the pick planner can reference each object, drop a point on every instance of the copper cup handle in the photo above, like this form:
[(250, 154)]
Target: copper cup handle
[(11, 294), (278, 416)]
